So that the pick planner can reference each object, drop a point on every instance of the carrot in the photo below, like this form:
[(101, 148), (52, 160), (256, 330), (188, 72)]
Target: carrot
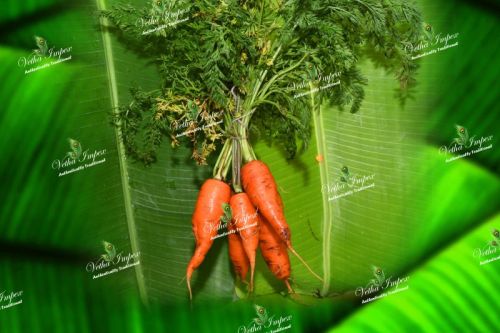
[(206, 218), (274, 252), (237, 252), (246, 220), (261, 188)]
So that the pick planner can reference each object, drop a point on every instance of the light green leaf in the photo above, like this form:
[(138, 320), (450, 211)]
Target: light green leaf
[(451, 290)]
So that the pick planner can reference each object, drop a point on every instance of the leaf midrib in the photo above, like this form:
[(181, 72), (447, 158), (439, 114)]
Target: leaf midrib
[(113, 91), (327, 215)]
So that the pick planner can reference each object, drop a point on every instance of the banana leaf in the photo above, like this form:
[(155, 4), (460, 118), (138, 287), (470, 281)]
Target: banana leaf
[(418, 207)]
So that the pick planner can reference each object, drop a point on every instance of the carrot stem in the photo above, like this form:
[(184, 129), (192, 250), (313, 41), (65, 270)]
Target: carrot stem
[(247, 157), (226, 161), (237, 165), (304, 262), (220, 160), (247, 151), (223, 162)]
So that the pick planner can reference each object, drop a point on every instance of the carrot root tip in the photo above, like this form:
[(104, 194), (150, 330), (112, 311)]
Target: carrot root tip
[(304, 263), (289, 287), (189, 288)]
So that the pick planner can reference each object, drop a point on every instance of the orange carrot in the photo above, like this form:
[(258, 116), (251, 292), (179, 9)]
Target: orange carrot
[(237, 253), (246, 219), (274, 252), (261, 188), (206, 219)]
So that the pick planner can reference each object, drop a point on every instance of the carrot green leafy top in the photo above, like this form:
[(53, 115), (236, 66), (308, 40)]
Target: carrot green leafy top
[(272, 54)]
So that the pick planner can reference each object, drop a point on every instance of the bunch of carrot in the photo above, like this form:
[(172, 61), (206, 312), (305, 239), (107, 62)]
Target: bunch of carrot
[(256, 216)]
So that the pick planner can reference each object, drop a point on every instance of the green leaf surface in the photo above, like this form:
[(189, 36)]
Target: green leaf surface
[(15, 9), (66, 215), (466, 96), (36, 114), (419, 206), (339, 240), (442, 294)]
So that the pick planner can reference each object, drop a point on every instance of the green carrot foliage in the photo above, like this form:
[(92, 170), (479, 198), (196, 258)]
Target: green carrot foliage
[(272, 52)]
